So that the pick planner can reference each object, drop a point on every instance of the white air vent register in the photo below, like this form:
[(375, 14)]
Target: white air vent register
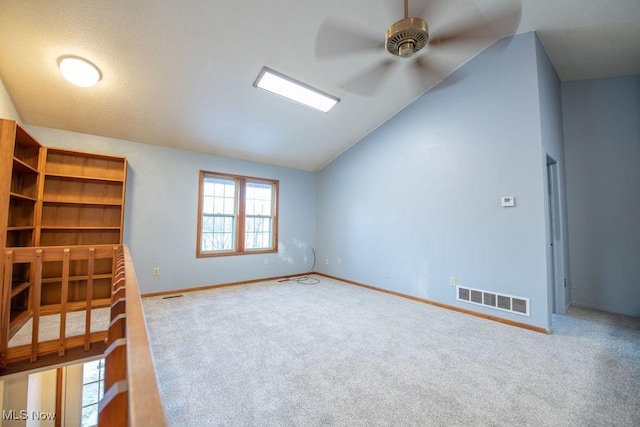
[(510, 303)]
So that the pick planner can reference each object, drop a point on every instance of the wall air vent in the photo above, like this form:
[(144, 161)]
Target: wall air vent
[(510, 303)]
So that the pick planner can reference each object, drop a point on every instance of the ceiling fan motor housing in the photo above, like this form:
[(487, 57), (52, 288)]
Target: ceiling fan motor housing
[(407, 36)]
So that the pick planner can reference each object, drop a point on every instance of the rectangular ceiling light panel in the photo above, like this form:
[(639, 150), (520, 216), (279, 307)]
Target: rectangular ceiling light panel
[(285, 86)]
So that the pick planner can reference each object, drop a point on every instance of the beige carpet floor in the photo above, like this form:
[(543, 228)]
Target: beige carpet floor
[(49, 327), (290, 354)]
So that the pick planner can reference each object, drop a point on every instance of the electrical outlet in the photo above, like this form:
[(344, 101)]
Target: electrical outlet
[(339, 261), (266, 261), (386, 274), (452, 281), (156, 271), (326, 261)]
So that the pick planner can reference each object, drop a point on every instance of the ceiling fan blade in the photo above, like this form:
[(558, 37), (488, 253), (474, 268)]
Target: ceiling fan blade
[(493, 23), (337, 39), (434, 69), (428, 69), (434, 10), (369, 82), (434, 74)]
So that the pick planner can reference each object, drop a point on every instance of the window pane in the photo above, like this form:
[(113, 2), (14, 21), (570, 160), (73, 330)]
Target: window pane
[(251, 192), (218, 224), (259, 204), (259, 198), (218, 233), (250, 207), (207, 189), (207, 242), (90, 416), (230, 189), (219, 195), (226, 225), (219, 214), (229, 206), (207, 204), (265, 207), (258, 233), (91, 371), (207, 223), (92, 391)]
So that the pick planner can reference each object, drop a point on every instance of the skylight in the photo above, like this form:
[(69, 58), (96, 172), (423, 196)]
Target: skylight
[(285, 86)]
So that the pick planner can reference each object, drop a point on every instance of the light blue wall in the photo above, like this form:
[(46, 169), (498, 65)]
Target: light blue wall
[(161, 213), (551, 127), (418, 200), (7, 109), (602, 144)]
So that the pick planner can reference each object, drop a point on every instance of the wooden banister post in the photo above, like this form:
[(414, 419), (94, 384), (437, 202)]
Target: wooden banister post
[(87, 327), (35, 304), (64, 296), (5, 313)]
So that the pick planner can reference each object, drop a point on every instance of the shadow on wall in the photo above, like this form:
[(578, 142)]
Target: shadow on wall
[(297, 252)]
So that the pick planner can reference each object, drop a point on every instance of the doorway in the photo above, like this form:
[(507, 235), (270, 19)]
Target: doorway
[(556, 241)]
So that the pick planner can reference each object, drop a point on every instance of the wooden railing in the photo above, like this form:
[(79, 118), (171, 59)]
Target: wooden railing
[(131, 395), (52, 350)]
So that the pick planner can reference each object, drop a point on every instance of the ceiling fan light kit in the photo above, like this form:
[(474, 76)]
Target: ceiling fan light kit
[(407, 36)]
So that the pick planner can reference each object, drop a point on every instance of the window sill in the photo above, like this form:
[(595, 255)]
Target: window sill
[(224, 254)]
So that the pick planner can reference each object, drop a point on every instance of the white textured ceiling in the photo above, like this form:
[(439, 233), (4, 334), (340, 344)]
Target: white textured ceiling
[(180, 74)]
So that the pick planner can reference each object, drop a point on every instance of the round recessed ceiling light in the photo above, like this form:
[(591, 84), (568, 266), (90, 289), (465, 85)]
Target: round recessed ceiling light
[(79, 71)]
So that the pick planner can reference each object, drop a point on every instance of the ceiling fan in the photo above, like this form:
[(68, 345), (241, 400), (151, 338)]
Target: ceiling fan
[(458, 24)]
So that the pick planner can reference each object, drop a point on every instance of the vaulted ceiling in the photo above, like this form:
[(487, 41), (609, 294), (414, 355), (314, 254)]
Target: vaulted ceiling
[(181, 74)]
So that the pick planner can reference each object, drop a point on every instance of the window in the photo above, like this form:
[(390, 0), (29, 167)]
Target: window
[(92, 391), (236, 215)]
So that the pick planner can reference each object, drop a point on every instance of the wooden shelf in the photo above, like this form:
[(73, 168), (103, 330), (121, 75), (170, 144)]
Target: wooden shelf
[(80, 202), (17, 288), (82, 177), (96, 228), (85, 165), (24, 184), (18, 196), (19, 317), (19, 238), (26, 148), (76, 278), (21, 228), (21, 213), (79, 237), (83, 191), (74, 306), (22, 167)]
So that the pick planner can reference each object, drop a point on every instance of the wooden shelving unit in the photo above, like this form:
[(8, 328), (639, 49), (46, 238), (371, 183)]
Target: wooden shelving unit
[(82, 198), (23, 184), (56, 197), (19, 183)]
